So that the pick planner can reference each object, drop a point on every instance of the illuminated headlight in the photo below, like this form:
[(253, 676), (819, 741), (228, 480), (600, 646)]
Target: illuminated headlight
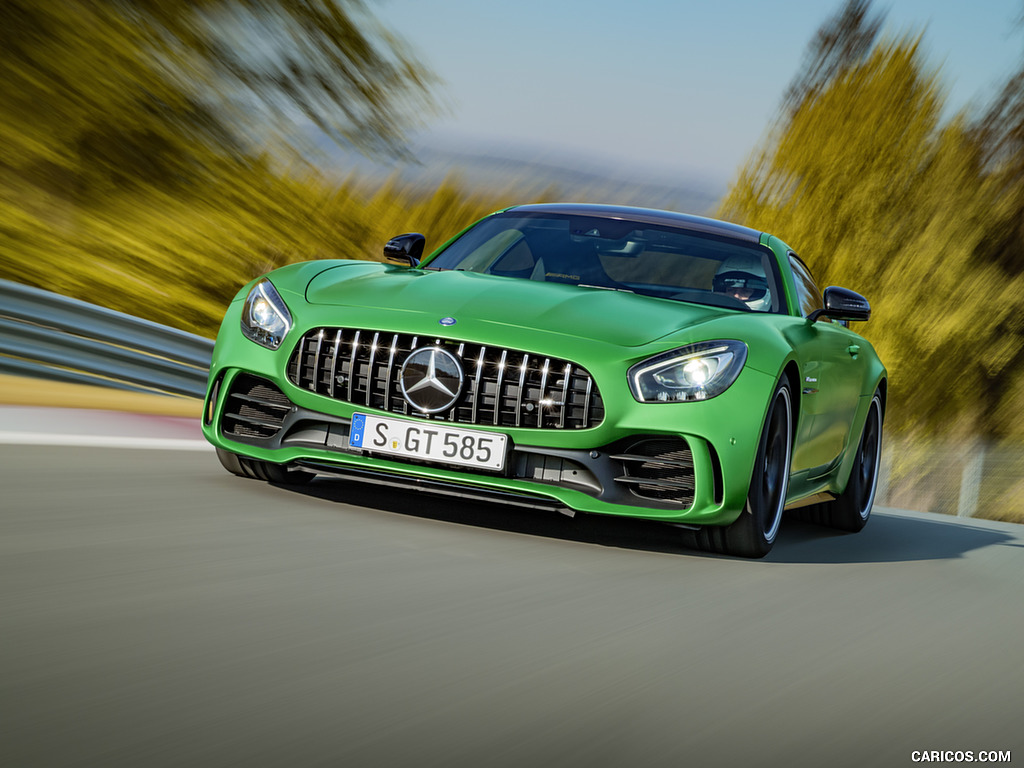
[(265, 318), (697, 372)]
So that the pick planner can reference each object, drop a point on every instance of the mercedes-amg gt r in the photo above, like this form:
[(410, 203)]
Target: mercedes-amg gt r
[(585, 358)]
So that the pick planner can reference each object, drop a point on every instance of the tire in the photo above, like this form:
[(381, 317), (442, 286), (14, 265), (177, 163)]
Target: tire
[(754, 532), (851, 510), (262, 470)]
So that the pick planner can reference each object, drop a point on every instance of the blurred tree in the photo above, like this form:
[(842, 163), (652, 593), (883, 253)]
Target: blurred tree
[(859, 173), (328, 62), (998, 134), (157, 148), (843, 41), (102, 95)]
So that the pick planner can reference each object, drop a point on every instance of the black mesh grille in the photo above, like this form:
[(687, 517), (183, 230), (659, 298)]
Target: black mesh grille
[(660, 469), (503, 387), (254, 408)]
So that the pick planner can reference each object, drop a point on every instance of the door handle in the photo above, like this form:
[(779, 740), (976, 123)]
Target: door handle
[(854, 350)]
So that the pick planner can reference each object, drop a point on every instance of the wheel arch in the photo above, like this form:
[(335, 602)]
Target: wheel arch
[(791, 372), (842, 473), (883, 392)]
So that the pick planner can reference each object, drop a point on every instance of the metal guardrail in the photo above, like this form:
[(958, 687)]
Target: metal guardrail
[(966, 478), (46, 335)]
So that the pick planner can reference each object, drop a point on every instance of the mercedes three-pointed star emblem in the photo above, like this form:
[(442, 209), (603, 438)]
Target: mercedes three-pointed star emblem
[(431, 379)]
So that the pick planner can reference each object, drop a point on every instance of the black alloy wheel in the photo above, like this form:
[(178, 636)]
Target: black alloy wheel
[(754, 532)]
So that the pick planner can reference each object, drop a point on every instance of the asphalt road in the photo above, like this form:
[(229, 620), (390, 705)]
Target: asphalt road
[(156, 611)]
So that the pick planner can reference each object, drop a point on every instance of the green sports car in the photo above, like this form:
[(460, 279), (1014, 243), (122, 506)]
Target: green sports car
[(580, 358)]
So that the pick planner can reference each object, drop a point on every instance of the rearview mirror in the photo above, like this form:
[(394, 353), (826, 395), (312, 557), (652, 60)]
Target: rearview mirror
[(405, 249), (844, 305)]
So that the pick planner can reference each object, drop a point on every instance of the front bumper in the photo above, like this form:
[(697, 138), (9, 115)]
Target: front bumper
[(687, 463)]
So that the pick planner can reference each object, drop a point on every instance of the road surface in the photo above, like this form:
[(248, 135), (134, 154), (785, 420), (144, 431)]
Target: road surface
[(157, 611)]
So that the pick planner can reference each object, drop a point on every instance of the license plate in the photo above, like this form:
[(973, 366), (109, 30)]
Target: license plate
[(431, 442)]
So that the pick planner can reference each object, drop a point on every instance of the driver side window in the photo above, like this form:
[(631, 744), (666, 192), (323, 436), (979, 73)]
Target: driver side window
[(807, 294)]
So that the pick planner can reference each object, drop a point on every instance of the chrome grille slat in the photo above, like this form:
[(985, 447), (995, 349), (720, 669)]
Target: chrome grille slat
[(302, 360), (369, 369), (540, 394), (476, 383), (334, 362), (453, 414), (316, 360), (522, 387), (586, 402), (412, 345), (565, 396), (362, 367), (497, 388), (352, 372), (388, 376)]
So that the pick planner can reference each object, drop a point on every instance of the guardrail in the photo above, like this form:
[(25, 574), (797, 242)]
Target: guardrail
[(46, 335), (967, 478)]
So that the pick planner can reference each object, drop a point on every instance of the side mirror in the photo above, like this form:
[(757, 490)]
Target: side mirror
[(843, 305), (405, 249)]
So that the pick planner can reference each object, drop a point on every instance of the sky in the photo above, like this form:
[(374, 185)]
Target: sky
[(668, 88)]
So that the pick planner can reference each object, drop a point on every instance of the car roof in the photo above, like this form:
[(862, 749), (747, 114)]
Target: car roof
[(646, 216)]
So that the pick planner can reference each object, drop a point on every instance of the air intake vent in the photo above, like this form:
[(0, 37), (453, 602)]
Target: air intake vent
[(502, 387), (659, 469), (254, 409)]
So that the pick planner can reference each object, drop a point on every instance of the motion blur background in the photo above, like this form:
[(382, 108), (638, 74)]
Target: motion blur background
[(159, 154)]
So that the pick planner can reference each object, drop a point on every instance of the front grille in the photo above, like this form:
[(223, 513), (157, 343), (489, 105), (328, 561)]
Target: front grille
[(503, 387), (254, 408), (660, 469)]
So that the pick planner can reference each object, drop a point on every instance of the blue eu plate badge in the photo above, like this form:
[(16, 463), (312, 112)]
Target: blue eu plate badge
[(355, 435)]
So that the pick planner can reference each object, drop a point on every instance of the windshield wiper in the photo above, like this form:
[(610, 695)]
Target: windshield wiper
[(604, 288)]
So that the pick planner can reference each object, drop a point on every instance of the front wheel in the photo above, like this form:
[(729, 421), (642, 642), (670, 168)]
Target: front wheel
[(754, 531)]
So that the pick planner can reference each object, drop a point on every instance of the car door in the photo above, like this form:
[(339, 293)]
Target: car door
[(831, 382), (839, 387)]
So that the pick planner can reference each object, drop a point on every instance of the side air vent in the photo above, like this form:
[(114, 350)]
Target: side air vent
[(254, 409), (659, 469)]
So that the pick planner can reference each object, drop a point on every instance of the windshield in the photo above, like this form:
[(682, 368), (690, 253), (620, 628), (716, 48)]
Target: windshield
[(616, 254)]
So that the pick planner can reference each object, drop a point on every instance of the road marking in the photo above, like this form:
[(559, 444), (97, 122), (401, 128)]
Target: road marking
[(103, 441)]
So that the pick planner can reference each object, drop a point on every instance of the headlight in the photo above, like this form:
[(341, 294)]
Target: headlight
[(697, 372), (265, 318)]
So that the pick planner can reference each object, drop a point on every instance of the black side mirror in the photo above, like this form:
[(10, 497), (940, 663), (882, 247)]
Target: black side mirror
[(405, 249), (844, 305)]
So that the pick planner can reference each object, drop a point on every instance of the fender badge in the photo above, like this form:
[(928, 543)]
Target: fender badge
[(447, 321)]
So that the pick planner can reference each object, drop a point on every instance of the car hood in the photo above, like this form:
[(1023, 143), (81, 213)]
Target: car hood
[(616, 317)]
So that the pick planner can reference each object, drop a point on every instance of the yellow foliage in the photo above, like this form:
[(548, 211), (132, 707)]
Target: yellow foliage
[(179, 261), (877, 195)]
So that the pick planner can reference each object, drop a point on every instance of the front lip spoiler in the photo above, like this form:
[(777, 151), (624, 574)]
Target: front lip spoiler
[(440, 487)]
